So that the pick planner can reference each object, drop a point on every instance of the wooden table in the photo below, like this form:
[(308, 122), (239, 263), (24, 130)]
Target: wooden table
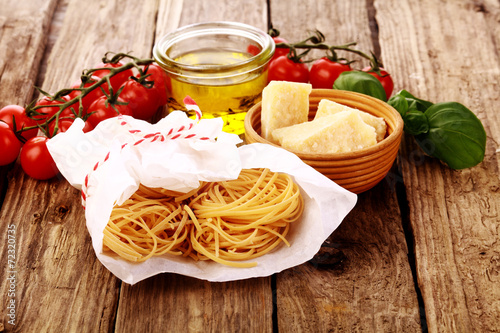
[(419, 252)]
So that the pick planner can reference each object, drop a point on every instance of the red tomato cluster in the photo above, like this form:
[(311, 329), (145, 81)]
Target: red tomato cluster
[(135, 99), (9, 144), (384, 78), (324, 72), (321, 75)]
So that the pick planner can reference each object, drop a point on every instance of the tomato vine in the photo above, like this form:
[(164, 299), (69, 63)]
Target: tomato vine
[(326, 69), (120, 85), (33, 109)]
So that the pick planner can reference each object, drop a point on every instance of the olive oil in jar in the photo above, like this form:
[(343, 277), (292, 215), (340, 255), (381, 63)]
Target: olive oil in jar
[(220, 94), (221, 65)]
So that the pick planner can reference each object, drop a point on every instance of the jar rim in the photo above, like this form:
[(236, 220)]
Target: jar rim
[(213, 28)]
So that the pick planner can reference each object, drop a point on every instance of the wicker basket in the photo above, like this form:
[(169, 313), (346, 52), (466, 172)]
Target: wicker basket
[(356, 171)]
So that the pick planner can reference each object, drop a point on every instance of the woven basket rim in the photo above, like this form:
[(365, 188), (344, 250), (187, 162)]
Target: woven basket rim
[(253, 116)]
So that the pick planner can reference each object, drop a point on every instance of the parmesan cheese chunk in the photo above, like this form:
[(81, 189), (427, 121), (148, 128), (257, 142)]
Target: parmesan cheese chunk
[(341, 132), (283, 104), (327, 107)]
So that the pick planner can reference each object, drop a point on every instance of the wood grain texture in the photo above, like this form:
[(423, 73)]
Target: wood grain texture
[(174, 13), (24, 29), (372, 289), (110, 26), (339, 21), (54, 30), (54, 255), (448, 51), (249, 12), (23, 37), (198, 306), (68, 289)]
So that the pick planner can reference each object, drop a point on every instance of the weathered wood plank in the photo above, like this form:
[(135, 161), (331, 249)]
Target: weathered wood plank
[(337, 20), (24, 29), (114, 27), (372, 288), (55, 268), (369, 289), (68, 288), (23, 36), (55, 27), (199, 305), (176, 303), (249, 12), (448, 51)]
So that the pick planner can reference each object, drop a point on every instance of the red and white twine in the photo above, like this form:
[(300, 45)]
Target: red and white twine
[(173, 134)]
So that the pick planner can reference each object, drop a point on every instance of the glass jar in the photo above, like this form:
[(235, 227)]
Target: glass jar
[(221, 65)]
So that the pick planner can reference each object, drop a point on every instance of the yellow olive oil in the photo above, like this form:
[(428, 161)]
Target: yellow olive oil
[(219, 93)]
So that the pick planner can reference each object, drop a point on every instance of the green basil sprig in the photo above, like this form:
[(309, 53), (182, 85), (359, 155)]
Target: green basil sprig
[(448, 131), (361, 82), (412, 111)]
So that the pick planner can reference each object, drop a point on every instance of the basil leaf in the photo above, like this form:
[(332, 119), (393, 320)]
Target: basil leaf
[(411, 109), (360, 82), (415, 122), (456, 136), (403, 101), (400, 103), (414, 102)]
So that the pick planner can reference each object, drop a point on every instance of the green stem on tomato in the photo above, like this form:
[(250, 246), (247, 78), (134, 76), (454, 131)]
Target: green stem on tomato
[(316, 41), (31, 109)]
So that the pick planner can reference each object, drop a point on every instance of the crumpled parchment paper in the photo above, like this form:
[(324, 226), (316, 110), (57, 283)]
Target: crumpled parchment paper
[(110, 162)]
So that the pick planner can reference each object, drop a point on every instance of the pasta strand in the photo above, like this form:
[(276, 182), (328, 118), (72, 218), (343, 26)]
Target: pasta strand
[(226, 222)]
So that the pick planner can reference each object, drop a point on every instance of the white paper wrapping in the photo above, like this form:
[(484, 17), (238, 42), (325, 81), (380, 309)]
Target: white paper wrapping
[(176, 153)]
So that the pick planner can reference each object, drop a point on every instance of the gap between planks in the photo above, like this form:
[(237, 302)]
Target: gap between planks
[(400, 188)]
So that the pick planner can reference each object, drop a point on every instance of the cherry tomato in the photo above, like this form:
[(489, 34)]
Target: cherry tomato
[(385, 78), (74, 109), (71, 112), (87, 127), (62, 126), (91, 96), (116, 80), (18, 113), (9, 144), (284, 69), (36, 160), (102, 109), (324, 72), (141, 100), (47, 111), (279, 51), (253, 50), (161, 82)]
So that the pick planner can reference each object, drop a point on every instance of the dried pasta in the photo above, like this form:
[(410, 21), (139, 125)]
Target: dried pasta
[(227, 221)]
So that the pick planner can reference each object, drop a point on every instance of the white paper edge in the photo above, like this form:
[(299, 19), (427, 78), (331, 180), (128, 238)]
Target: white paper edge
[(330, 203)]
